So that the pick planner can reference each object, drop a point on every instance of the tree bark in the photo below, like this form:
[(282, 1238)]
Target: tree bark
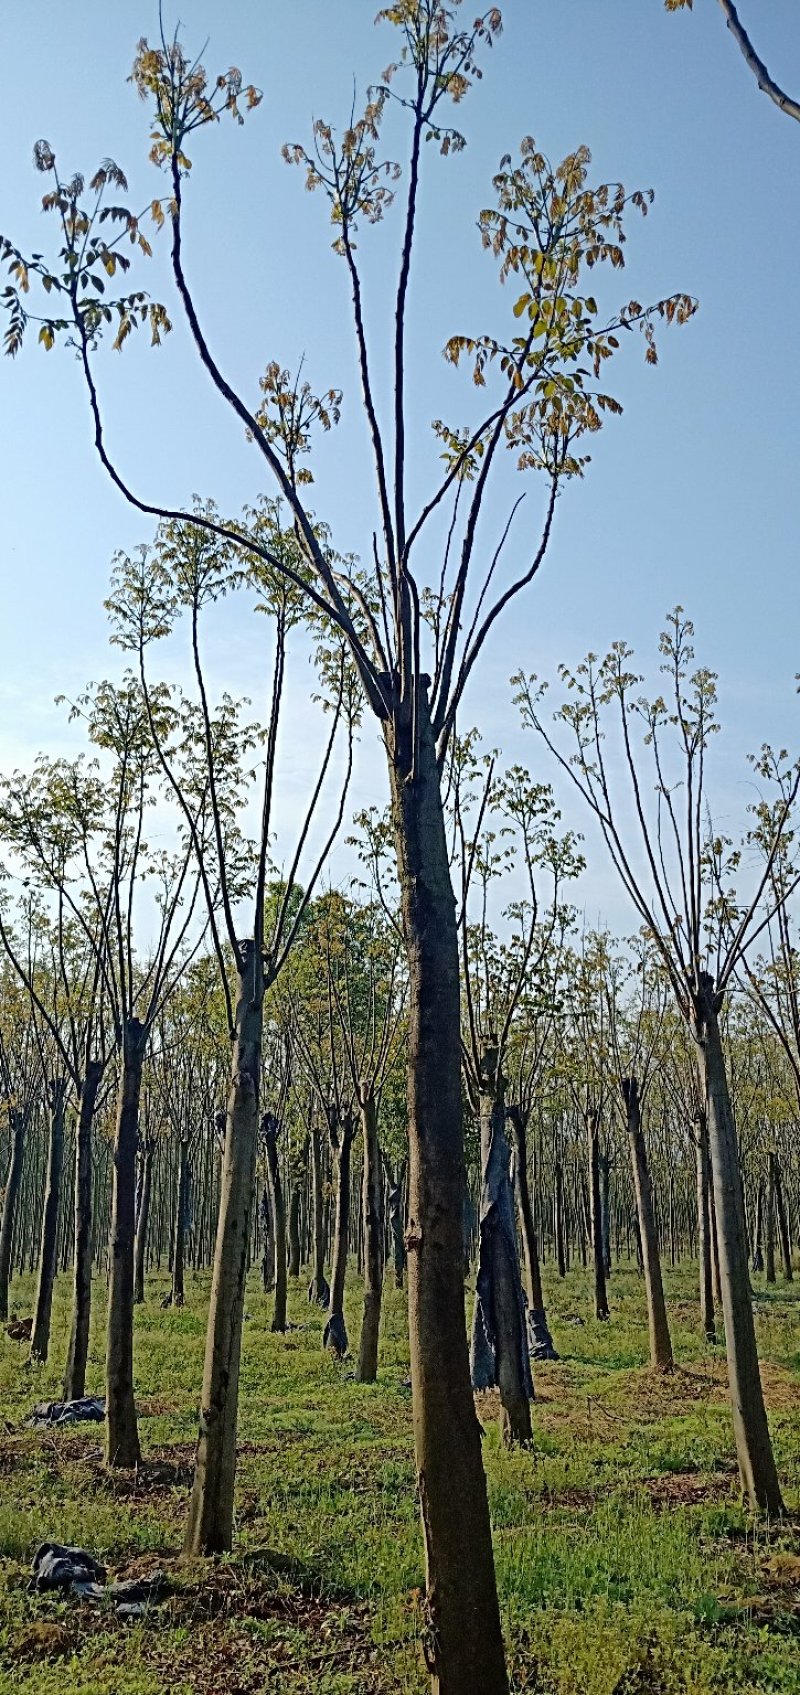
[(395, 1205), (40, 1340), (145, 1191), (783, 1225), (758, 1234), (658, 1325), (558, 1221), (122, 1435), (78, 1351), (704, 1252), (751, 1431), (770, 1243), (596, 1217), (499, 1350), (341, 1129), (372, 1214), (270, 1129), (17, 1124), (318, 1289), (539, 1338), (465, 1646), (209, 1528), (294, 1232)]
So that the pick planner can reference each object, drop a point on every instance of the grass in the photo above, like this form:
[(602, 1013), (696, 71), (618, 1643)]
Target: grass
[(626, 1563)]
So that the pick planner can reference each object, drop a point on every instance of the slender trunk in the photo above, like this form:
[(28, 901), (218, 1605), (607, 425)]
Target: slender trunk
[(40, 1340), (605, 1210), (540, 1340), (268, 1244), (341, 1128), (561, 1256), (712, 1231), (17, 1123), (499, 1348), (209, 1528), (660, 1343), (395, 1205), (751, 1431), (783, 1225), (269, 1130), (318, 1289), (372, 1213), (770, 1244), (758, 1235), (179, 1229), (596, 1217), (78, 1351), (142, 1221), (294, 1232), (704, 1251), (465, 1645), (122, 1435)]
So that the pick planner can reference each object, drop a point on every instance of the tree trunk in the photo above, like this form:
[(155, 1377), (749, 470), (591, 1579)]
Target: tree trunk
[(465, 1645), (596, 1217), (558, 1221), (758, 1235), (704, 1251), (270, 1129), (78, 1351), (178, 1295), (751, 1431), (540, 1340), (209, 1528), (40, 1340), (770, 1242), (294, 1231), (605, 1210), (318, 1289), (122, 1435), (17, 1123), (499, 1349), (142, 1220), (341, 1129), (660, 1343), (372, 1213), (395, 1205), (783, 1224)]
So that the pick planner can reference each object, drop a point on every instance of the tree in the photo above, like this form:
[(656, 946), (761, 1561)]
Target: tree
[(546, 228)]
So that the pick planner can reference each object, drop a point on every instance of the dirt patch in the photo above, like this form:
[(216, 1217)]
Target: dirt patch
[(688, 1489)]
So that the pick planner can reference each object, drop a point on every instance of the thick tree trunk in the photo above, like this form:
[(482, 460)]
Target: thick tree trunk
[(341, 1129), (209, 1528), (78, 1351), (539, 1338), (596, 1217), (270, 1129), (122, 1435), (17, 1123), (783, 1225), (318, 1289), (40, 1339), (658, 1325), (144, 1193), (372, 1215), (753, 1445), (178, 1295), (465, 1646), (704, 1250), (294, 1255)]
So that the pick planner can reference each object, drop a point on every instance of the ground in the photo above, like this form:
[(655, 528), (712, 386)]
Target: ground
[(626, 1563)]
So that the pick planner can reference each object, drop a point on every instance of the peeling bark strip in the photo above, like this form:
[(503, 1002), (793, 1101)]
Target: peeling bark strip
[(122, 1435), (658, 1325), (210, 1524), (465, 1647), (78, 1352), (372, 1213), (341, 1129), (40, 1340), (751, 1431), (540, 1341)]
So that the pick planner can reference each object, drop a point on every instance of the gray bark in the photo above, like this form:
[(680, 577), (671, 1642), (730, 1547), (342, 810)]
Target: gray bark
[(40, 1339)]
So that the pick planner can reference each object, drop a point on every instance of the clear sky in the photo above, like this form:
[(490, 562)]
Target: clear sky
[(693, 496)]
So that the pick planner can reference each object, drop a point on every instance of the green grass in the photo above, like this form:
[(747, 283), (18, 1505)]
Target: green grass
[(626, 1563)]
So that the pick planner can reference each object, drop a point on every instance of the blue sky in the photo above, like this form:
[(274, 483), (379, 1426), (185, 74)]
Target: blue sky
[(692, 496)]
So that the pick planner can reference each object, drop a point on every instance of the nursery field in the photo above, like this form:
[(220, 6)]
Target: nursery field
[(626, 1563)]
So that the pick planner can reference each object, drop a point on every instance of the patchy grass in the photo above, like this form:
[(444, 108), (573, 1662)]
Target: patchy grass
[(626, 1563)]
